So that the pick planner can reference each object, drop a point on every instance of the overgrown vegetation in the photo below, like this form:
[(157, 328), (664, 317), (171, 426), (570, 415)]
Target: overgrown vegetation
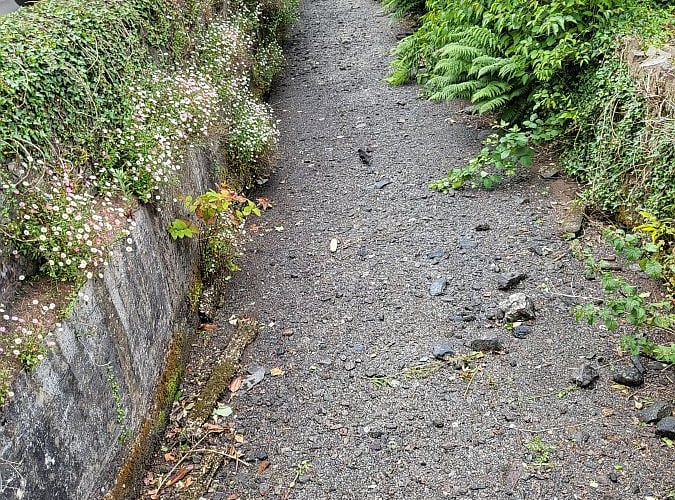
[(99, 103), (562, 70)]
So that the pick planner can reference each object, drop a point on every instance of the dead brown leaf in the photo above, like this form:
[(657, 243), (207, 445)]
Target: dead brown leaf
[(168, 457), (233, 496), (262, 466), (215, 428), (264, 202), (180, 474), (236, 384), (208, 327)]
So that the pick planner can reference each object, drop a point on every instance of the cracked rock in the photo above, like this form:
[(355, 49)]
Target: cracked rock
[(657, 411), (518, 307), (586, 376)]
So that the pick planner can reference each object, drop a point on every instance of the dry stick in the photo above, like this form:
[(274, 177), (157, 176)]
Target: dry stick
[(163, 481), (221, 453)]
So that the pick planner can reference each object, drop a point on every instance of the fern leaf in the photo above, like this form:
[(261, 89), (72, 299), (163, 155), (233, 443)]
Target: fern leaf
[(445, 90), (490, 91), (460, 51)]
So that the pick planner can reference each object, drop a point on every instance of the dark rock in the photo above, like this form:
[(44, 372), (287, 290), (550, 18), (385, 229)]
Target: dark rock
[(637, 363), (666, 427), (443, 350), (586, 376), (613, 477), (521, 331), (628, 375), (261, 455), (364, 156), (482, 227), (438, 423), (517, 307), (657, 411), (487, 345), (510, 280), (438, 287)]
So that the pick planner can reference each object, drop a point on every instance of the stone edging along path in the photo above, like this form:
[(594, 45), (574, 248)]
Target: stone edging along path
[(359, 273)]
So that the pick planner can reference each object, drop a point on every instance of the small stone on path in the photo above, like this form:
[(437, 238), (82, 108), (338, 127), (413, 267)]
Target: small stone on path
[(586, 376), (628, 375), (655, 411), (666, 427), (510, 280), (438, 287), (521, 331), (517, 307), (487, 345), (443, 350)]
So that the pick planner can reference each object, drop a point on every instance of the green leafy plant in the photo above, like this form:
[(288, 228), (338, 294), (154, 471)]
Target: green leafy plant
[(541, 452)]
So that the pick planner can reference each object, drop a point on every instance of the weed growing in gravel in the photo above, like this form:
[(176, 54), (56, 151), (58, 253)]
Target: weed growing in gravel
[(301, 469), (626, 305), (540, 452)]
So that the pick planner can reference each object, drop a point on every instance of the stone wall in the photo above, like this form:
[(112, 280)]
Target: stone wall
[(74, 420)]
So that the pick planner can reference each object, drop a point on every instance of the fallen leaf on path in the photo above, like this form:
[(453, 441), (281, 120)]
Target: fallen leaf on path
[(262, 466), (224, 411), (168, 457), (276, 371), (182, 472), (214, 428), (233, 496), (253, 228), (208, 327), (239, 438), (236, 384), (187, 482), (264, 202)]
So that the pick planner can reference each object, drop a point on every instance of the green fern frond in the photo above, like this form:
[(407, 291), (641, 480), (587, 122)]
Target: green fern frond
[(455, 69), (479, 36), (486, 65), (460, 51), (493, 89), (443, 89), (492, 104), (513, 68)]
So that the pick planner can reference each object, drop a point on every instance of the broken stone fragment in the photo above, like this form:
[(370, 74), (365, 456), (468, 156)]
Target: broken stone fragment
[(518, 307), (443, 350), (437, 287), (656, 411), (628, 375), (585, 376), (487, 345), (510, 280), (666, 427)]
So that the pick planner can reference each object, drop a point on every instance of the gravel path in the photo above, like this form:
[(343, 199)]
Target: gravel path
[(337, 318)]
